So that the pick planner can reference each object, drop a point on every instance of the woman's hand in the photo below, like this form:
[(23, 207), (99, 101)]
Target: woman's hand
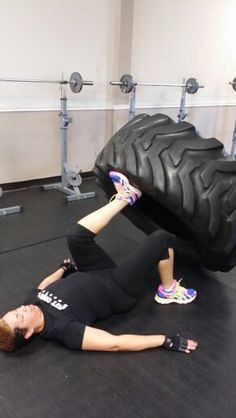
[(68, 267)]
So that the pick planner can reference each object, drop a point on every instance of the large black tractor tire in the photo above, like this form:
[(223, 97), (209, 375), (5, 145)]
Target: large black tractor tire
[(188, 185)]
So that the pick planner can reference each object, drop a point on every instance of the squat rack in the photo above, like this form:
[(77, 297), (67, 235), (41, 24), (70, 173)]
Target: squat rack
[(233, 149), (70, 180), (128, 84), (10, 209)]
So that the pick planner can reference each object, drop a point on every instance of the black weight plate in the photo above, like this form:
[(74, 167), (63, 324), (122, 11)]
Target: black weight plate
[(192, 85), (127, 83), (234, 84), (76, 82)]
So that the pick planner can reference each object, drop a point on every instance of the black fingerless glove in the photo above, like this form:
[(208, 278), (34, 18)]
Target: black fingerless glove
[(175, 343), (68, 268)]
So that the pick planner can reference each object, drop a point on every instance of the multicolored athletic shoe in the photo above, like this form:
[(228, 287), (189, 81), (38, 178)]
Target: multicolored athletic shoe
[(125, 191), (177, 294)]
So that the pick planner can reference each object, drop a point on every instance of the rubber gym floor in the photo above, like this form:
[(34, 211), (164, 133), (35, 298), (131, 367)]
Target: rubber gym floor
[(48, 380)]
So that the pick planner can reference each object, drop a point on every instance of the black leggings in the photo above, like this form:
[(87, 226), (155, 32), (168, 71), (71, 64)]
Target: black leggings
[(133, 272)]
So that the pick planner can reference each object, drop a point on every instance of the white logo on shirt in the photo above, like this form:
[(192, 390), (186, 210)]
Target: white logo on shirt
[(52, 300)]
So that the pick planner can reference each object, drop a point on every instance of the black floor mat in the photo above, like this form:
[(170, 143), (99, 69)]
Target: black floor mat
[(47, 380), (46, 215)]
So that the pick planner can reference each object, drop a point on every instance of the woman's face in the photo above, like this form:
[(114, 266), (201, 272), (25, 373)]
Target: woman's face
[(24, 317)]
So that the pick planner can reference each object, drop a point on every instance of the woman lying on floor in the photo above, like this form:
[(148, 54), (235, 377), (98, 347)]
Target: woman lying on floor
[(65, 310)]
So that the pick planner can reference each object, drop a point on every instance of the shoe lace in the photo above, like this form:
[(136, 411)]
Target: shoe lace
[(123, 192), (124, 188), (179, 290)]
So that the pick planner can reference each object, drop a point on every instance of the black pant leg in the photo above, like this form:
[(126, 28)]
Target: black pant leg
[(133, 273), (87, 254)]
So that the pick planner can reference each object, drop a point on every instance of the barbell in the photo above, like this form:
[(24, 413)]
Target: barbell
[(76, 81), (127, 84), (233, 83)]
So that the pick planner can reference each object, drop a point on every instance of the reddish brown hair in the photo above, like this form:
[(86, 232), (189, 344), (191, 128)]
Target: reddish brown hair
[(11, 340), (7, 337)]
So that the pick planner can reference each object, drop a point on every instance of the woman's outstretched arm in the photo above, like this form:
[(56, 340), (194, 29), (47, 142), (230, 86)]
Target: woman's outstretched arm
[(98, 340)]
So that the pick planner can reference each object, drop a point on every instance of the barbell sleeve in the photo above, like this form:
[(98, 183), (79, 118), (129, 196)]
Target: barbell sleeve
[(116, 83), (87, 83)]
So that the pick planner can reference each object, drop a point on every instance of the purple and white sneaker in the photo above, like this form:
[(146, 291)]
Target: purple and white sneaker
[(178, 294), (125, 191)]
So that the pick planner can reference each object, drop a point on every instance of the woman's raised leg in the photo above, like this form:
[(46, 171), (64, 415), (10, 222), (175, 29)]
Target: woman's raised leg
[(126, 195), (87, 254)]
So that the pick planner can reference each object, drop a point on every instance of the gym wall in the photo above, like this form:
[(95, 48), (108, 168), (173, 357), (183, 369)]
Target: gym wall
[(102, 39), (176, 39)]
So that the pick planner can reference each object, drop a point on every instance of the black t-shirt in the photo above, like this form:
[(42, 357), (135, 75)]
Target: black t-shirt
[(70, 304)]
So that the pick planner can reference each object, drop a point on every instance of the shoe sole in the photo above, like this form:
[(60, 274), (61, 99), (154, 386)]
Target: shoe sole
[(163, 301), (120, 175)]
